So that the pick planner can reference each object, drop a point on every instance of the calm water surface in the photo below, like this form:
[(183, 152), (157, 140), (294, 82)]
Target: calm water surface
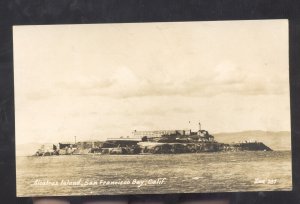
[(203, 172)]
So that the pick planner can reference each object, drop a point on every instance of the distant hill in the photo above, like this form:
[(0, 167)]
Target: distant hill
[(29, 149), (275, 140)]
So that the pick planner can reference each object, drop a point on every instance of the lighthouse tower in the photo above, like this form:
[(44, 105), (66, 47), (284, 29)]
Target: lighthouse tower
[(199, 130)]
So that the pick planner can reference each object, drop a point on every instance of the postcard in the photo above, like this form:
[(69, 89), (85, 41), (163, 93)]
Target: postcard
[(152, 108)]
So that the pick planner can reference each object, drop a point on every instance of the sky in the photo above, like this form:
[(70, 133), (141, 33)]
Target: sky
[(96, 81)]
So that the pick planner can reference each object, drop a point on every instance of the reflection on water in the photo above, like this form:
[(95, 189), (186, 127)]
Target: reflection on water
[(121, 174)]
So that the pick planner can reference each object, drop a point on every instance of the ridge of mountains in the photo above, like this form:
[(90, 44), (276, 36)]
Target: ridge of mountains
[(280, 140)]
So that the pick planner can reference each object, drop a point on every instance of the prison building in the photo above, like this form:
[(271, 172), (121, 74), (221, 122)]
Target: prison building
[(159, 133)]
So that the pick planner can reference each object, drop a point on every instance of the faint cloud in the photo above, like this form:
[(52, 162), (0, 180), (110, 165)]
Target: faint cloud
[(225, 78), (39, 95)]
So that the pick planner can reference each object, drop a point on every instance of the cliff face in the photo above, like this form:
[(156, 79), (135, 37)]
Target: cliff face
[(257, 146)]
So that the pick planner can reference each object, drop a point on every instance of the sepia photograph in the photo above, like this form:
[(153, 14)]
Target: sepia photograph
[(152, 108)]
